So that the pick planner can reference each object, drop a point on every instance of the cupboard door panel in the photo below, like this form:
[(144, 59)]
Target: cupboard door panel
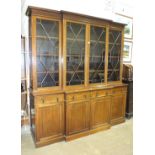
[(50, 121), (100, 111), (118, 106), (77, 117)]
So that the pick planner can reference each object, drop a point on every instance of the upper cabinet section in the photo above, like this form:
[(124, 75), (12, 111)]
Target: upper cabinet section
[(45, 41), (71, 50)]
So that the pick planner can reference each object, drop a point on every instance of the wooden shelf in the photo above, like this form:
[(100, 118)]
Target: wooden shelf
[(114, 57), (72, 39), (82, 71), (47, 55), (114, 43), (95, 41), (71, 72), (96, 56), (48, 72), (46, 38), (96, 71), (116, 70), (74, 55)]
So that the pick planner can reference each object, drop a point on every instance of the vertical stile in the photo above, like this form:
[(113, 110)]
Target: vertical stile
[(34, 70), (106, 55), (87, 54)]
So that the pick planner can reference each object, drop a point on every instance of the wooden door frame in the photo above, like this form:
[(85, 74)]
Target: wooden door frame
[(121, 54), (65, 87), (34, 54)]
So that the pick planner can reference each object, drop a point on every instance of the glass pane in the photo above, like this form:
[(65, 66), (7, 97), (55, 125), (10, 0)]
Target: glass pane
[(47, 53), (75, 53), (97, 54), (114, 55)]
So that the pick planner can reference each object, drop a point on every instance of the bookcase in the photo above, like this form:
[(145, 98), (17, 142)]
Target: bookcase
[(76, 75)]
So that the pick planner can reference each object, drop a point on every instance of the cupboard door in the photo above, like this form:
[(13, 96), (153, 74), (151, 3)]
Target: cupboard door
[(118, 107), (47, 52), (97, 54), (50, 121), (100, 111), (75, 53), (77, 117), (114, 55)]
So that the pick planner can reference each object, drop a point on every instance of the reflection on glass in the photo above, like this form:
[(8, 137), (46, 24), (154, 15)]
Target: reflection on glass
[(75, 54), (47, 53), (97, 54), (114, 55)]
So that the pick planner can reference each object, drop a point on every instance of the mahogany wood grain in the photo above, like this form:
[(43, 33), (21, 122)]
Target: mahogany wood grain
[(70, 112)]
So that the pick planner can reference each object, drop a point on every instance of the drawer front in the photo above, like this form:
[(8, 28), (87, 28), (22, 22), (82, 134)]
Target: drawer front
[(124, 88), (77, 96), (117, 90), (49, 99), (100, 93)]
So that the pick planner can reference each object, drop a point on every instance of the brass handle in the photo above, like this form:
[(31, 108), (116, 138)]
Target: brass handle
[(73, 98), (57, 100), (42, 100)]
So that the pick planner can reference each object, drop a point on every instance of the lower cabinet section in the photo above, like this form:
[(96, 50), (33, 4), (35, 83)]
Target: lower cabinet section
[(70, 115), (49, 119)]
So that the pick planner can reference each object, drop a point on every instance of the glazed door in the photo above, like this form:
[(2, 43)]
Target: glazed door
[(77, 117), (114, 55), (97, 54), (74, 54), (48, 53), (100, 111)]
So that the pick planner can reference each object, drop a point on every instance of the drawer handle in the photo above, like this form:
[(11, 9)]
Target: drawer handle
[(57, 99), (42, 100), (73, 98), (85, 96)]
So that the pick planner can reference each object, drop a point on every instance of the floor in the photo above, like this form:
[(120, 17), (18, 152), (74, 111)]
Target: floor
[(115, 141)]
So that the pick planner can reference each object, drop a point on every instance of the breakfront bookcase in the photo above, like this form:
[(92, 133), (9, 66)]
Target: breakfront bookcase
[(76, 75)]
